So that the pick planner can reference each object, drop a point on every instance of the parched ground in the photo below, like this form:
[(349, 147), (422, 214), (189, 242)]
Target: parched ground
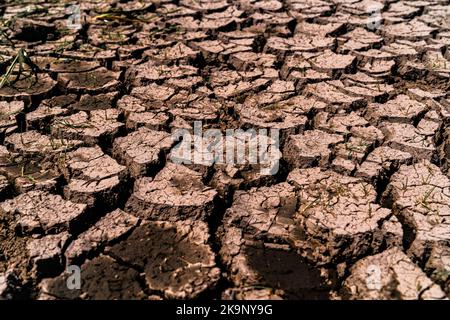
[(360, 205)]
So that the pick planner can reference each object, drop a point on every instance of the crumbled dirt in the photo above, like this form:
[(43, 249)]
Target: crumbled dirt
[(92, 175)]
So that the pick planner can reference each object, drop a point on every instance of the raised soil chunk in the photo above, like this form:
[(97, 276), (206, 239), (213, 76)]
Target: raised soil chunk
[(381, 161), (401, 10), (234, 90), (316, 29), (129, 104), (358, 39), (41, 212), (139, 113), (174, 256), (374, 55), (250, 294), (46, 253), (393, 232), (294, 64), (109, 228), (258, 167), (149, 72), (29, 87), (8, 113), (400, 50), (279, 90), (444, 151), (423, 95), (380, 68), (90, 52), (91, 127), (254, 264), (228, 178), (188, 83), (419, 195), (343, 165), (176, 193), (28, 172), (206, 110), (332, 95), (32, 143), (224, 20), (99, 193), (341, 123), (89, 163), (247, 60), (310, 148), (296, 105), (338, 214), (407, 138), (355, 149), (401, 109), (100, 101), (101, 279), (276, 21), (428, 127), (438, 266), (300, 42), (142, 151), (305, 76), (370, 92), (94, 177), (390, 275), (204, 5), (435, 62), (31, 30), (95, 81), (218, 50), (153, 93), (220, 78), (178, 52), (63, 101), (333, 63), (151, 120), (265, 213), (413, 31)]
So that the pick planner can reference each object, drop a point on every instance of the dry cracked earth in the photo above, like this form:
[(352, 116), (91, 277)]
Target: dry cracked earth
[(360, 208)]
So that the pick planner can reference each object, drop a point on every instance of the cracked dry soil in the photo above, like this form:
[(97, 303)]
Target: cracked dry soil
[(359, 208)]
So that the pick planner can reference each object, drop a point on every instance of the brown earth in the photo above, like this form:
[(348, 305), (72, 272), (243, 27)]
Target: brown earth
[(359, 207)]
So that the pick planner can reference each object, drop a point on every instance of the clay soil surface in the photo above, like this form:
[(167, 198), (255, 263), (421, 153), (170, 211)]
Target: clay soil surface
[(92, 92)]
